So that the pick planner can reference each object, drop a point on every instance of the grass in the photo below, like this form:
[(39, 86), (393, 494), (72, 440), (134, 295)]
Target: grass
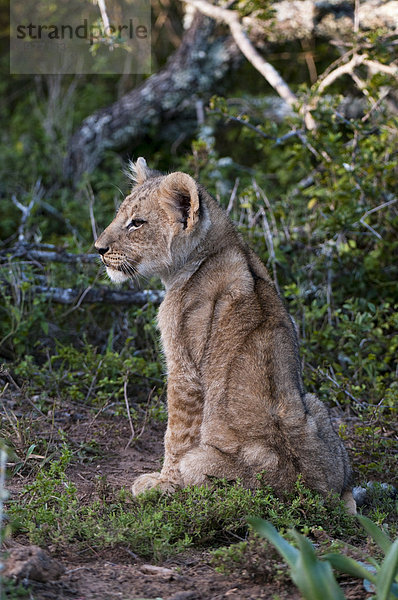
[(154, 525)]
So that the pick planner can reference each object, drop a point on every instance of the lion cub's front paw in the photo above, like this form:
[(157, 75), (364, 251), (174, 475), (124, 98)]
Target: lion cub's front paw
[(149, 481)]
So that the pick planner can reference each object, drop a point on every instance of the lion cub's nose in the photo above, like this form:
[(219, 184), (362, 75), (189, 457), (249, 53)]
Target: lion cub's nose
[(102, 251)]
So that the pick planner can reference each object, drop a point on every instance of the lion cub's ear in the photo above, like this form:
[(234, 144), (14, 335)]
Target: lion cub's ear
[(180, 198), (138, 171)]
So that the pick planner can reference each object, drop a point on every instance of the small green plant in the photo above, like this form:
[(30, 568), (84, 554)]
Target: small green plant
[(253, 559), (14, 591), (155, 525), (314, 576), (385, 580)]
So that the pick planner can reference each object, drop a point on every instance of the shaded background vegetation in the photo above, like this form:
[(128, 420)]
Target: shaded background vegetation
[(320, 208)]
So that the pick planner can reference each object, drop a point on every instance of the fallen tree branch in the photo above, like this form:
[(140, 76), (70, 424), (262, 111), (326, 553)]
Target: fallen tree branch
[(100, 295), (47, 253)]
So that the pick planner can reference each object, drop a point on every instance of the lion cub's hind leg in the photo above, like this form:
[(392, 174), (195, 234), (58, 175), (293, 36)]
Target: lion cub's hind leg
[(350, 504)]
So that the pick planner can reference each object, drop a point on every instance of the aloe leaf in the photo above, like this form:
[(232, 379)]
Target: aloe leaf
[(387, 573), (347, 565), (313, 577), (381, 538), (268, 531)]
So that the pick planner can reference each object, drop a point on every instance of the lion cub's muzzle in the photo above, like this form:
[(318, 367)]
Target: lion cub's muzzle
[(114, 262), (109, 257)]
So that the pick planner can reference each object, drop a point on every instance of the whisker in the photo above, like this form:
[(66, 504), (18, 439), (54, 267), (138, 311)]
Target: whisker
[(127, 269)]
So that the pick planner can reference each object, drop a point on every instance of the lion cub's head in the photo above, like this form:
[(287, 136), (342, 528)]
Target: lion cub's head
[(156, 227)]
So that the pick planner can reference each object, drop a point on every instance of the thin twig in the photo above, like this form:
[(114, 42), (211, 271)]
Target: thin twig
[(242, 122), (370, 228), (375, 105), (271, 249), (278, 140), (93, 381), (347, 68), (372, 210), (329, 296), (340, 387), (82, 296), (146, 413), (97, 414), (25, 210), (233, 196), (344, 69), (128, 413), (268, 205), (91, 200)]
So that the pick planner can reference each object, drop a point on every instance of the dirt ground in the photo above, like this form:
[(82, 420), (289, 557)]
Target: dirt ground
[(118, 573)]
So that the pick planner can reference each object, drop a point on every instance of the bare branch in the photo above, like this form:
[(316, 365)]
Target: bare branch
[(91, 200), (372, 210), (98, 295), (345, 69), (104, 15), (47, 253), (376, 66), (231, 18), (326, 375), (243, 122), (376, 208), (356, 17), (233, 196), (37, 194), (348, 69)]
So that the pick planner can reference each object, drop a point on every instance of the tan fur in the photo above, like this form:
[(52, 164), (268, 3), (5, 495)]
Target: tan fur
[(236, 404)]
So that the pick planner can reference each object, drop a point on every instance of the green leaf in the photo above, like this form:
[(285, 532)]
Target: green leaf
[(313, 577), (268, 531), (344, 564), (381, 538), (30, 450), (388, 572)]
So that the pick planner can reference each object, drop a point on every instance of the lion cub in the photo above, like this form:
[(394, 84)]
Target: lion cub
[(236, 403)]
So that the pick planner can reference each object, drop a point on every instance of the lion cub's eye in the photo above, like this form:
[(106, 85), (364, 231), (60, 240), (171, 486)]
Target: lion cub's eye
[(135, 224)]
